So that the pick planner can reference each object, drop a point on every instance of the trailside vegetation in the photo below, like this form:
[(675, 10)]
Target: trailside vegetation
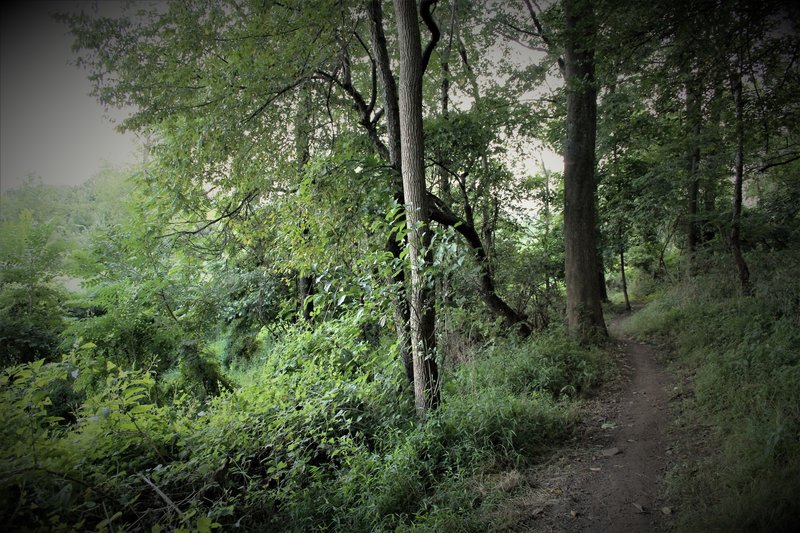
[(343, 291)]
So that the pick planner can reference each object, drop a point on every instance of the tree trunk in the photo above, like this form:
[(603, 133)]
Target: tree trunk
[(736, 222), (423, 317), (402, 314), (584, 310), (438, 211), (717, 169), (302, 143), (622, 268), (444, 283), (601, 277), (693, 119), (511, 319)]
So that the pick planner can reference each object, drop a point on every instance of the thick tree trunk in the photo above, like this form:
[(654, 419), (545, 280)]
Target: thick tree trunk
[(423, 317), (693, 119), (734, 238), (584, 310), (402, 314)]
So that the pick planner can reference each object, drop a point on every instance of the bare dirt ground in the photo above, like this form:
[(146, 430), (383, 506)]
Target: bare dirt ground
[(610, 478)]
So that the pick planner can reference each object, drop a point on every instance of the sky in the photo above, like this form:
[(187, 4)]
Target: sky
[(49, 124)]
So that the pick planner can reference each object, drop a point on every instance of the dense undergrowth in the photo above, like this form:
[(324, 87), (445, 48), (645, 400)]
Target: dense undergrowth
[(322, 436), (738, 362)]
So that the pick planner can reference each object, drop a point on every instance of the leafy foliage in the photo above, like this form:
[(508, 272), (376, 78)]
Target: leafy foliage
[(197, 393), (320, 438), (30, 299)]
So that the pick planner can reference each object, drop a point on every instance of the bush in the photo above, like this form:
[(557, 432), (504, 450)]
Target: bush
[(323, 436)]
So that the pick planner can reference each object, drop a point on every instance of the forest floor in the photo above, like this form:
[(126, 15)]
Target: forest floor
[(610, 477)]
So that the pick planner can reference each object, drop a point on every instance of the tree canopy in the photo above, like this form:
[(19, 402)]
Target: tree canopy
[(343, 270)]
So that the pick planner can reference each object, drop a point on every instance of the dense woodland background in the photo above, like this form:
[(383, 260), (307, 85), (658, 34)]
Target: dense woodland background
[(340, 291)]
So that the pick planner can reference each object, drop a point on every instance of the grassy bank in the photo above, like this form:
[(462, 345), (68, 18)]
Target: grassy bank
[(737, 398), (321, 436)]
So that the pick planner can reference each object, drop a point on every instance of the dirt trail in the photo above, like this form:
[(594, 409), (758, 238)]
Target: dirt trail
[(609, 480)]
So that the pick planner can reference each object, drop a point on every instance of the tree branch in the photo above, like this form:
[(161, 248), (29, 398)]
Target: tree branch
[(547, 41), (374, 74), (387, 81), (440, 213), (272, 98), (363, 111), (163, 496), (250, 196), (427, 18), (792, 158)]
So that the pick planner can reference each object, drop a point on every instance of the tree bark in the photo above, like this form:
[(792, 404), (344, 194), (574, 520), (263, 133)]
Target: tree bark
[(511, 319), (387, 83), (302, 140), (439, 211), (717, 170), (584, 310), (444, 283), (601, 277), (693, 119), (423, 315), (622, 268), (734, 239), (402, 313)]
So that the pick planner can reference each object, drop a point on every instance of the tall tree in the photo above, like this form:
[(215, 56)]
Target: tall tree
[(423, 317), (734, 238), (388, 88), (584, 310), (303, 126)]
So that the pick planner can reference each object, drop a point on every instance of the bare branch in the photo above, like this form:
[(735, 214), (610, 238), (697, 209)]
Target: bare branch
[(163, 496), (228, 214), (374, 74), (427, 18), (362, 108), (283, 90), (792, 158), (545, 38), (521, 43)]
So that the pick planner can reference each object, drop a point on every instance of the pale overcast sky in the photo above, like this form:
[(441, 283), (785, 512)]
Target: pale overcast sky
[(50, 126)]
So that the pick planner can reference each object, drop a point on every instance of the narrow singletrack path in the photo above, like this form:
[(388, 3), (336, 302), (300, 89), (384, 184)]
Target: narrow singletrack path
[(611, 478), (624, 494)]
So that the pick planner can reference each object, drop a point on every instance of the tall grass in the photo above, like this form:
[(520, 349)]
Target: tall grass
[(318, 434), (741, 356)]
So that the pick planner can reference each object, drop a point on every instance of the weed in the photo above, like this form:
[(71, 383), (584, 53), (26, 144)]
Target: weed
[(744, 354)]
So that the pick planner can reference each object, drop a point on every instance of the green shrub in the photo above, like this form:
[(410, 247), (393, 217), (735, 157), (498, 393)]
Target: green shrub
[(323, 435), (552, 363)]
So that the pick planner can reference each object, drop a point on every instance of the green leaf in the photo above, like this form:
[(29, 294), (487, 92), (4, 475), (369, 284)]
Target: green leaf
[(104, 524), (203, 524), (141, 409)]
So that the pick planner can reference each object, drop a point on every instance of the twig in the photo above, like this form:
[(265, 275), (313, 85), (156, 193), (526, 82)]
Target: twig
[(161, 494)]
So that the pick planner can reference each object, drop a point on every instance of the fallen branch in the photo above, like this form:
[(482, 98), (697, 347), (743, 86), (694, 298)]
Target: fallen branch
[(161, 495)]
